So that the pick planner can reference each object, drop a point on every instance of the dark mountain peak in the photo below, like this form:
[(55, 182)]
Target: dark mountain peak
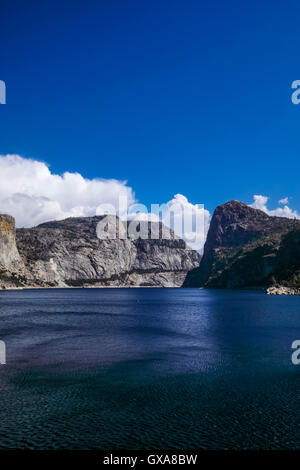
[(234, 225), (239, 211), (232, 221), (234, 203)]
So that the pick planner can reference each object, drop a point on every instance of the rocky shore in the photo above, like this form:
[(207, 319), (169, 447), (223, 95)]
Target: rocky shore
[(282, 290)]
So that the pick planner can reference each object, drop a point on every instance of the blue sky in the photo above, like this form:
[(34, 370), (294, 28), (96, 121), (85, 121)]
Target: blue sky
[(185, 97)]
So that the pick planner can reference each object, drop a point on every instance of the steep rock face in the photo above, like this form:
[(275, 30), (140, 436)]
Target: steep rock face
[(245, 248), (69, 253), (11, 265)]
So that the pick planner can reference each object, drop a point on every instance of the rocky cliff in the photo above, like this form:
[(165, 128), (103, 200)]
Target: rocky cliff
[(247, 248), (12, 269), (69, 253)]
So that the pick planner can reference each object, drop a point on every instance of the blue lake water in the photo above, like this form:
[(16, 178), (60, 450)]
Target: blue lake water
[(149, 369)]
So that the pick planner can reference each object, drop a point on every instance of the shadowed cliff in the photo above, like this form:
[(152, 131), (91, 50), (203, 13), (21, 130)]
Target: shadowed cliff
[(247, 248)]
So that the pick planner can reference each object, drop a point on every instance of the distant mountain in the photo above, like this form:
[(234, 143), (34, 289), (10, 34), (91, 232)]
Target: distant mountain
[(247, 248), (69, 253)]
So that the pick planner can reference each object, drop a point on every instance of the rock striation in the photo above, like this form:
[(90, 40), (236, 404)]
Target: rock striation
[(12, 269), (245, 247), (69, 253)]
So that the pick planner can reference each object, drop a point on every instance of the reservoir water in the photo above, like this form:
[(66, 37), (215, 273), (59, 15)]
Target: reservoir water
[(149, 369)]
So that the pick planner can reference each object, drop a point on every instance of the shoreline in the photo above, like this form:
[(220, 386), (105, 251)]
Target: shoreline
[(272, 290)]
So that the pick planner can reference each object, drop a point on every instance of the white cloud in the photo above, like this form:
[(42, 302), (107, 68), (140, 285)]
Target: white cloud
[(260, 202), (284, 201), (189, 221), (32, 194), (141, 216)]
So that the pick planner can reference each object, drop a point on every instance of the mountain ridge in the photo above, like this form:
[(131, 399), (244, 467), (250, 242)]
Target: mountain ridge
[(69, 253), (245, 247)]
